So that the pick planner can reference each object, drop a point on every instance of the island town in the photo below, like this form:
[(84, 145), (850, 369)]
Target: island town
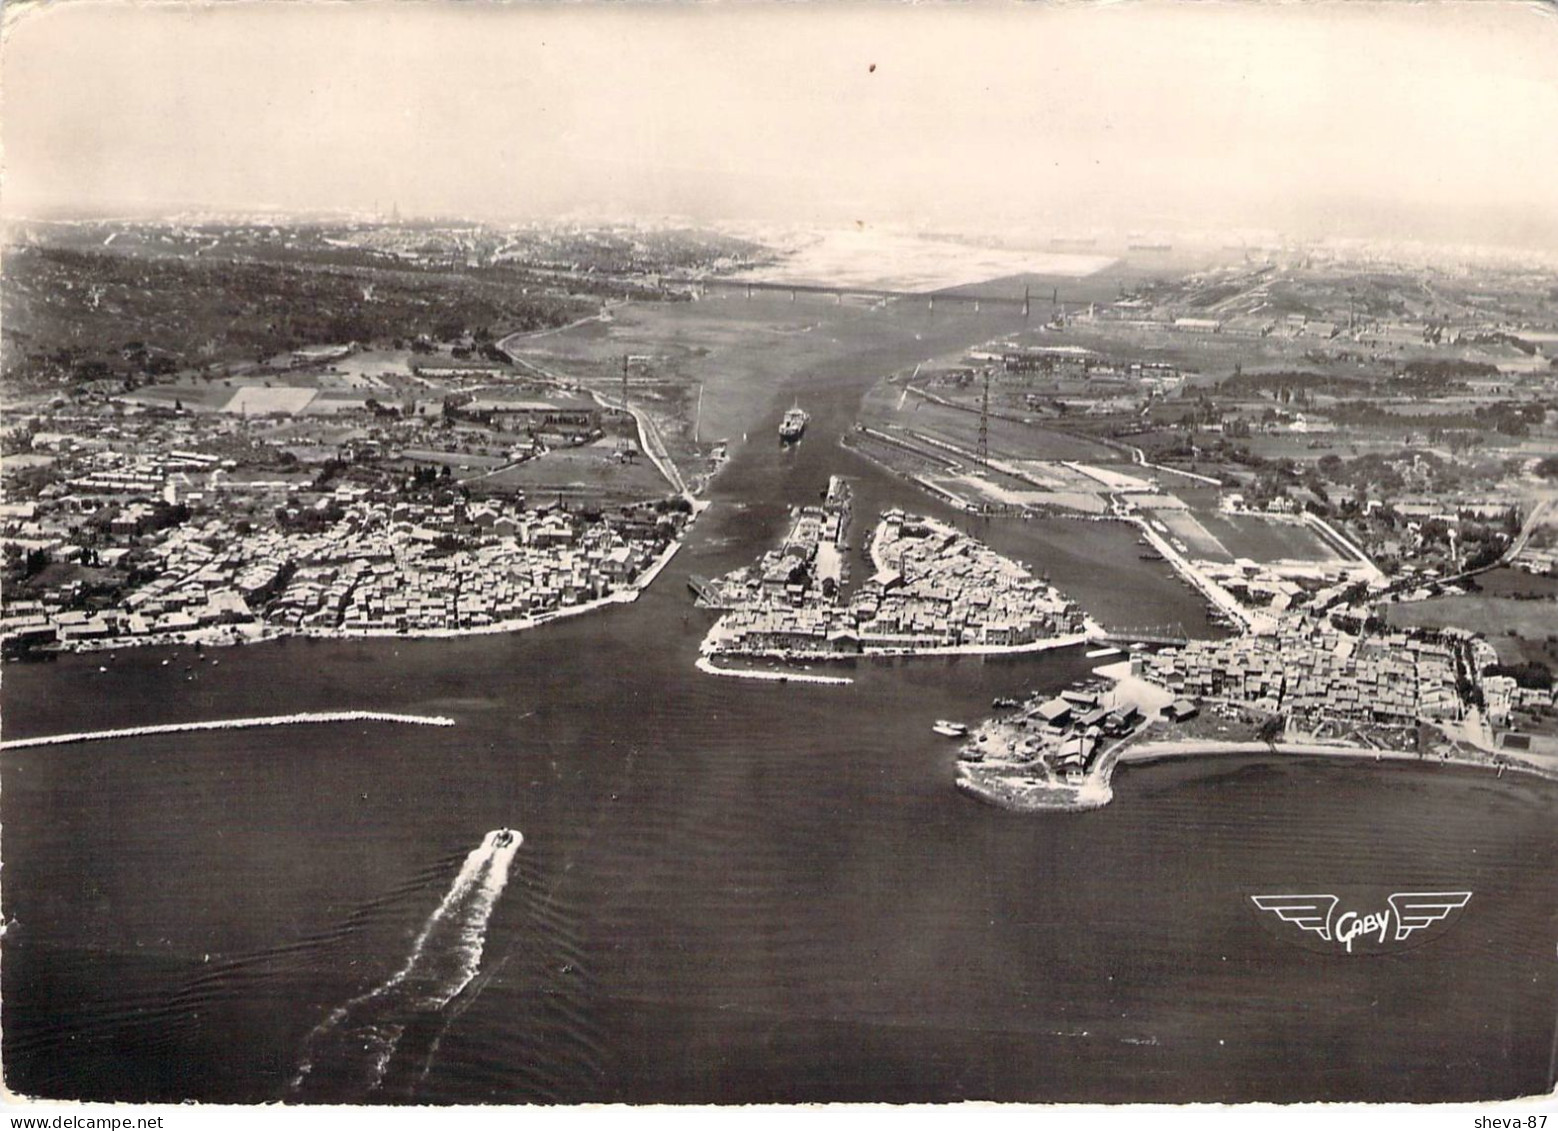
[(934, 589)]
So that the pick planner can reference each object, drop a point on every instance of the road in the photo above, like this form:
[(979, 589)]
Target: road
[(1533, 520)]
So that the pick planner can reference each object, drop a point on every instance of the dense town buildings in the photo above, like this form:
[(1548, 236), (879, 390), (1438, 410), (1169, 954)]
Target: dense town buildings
[(126, 524), (1313, 670), (370, 566), (934, 588)]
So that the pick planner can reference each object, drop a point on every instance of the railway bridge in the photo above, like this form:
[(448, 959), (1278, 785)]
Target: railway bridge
[(1022, 302)]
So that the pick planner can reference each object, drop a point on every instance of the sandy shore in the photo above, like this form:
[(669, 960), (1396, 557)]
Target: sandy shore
[(1194, 748)]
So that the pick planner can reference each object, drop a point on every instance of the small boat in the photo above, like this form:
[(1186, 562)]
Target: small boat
[(1001, 701), (949, 728), (504, 838)]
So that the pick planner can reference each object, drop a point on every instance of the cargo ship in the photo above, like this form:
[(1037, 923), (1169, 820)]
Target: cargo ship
[(793, 424)]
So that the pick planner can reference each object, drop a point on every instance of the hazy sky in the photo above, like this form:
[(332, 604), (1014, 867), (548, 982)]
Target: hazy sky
[(1438, 120)]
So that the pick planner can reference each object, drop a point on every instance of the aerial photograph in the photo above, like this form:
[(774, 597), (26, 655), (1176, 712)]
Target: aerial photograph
[(775, 553)]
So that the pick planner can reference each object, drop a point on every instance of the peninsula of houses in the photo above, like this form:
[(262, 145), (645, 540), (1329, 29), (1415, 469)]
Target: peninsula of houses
[(163, 525), (357, 565), (1303, 685)]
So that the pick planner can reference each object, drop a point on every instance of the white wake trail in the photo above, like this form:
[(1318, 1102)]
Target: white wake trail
[(444, 959)]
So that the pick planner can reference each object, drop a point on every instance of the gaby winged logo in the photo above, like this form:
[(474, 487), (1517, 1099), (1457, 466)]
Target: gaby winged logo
[(1405, 913)]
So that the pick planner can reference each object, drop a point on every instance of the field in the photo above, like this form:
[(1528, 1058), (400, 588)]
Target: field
[(194, 397), (888, 405), (471, 462), (1516, 583), (1247, 536), (345, 383), (990, 488), (1212, 535), (255, 400), (367, 369), (1517, 611), (593, 473), (1494, 617)]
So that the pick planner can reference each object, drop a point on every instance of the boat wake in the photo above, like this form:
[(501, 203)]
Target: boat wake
[(351, 1051)]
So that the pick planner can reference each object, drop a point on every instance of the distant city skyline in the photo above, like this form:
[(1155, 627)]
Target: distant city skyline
[(1402, 122)]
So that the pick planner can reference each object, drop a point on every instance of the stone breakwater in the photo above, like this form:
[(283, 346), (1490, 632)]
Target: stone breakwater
[(230, 724)]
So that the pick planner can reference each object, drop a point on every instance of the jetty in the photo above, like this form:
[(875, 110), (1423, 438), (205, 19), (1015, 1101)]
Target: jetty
[(229, 724), (708, 667)]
